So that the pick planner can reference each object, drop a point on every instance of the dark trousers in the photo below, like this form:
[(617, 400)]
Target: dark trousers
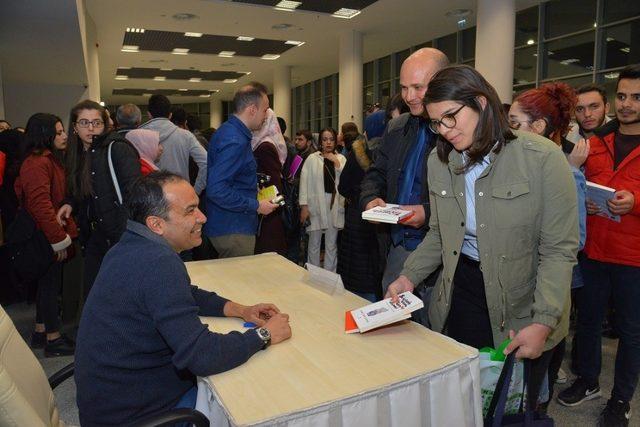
[(47, 307), (94, 251), (469, 323), (622, 282)]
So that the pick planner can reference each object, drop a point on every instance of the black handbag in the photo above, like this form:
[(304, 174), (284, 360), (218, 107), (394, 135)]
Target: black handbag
[(495, 413), (27, 248)]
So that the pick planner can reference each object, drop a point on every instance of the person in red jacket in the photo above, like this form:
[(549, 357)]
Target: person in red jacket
[(612, 262), (40, 187)]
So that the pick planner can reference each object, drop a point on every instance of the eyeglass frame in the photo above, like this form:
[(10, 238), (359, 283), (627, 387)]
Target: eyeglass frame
[(90, 123), (434, 125)]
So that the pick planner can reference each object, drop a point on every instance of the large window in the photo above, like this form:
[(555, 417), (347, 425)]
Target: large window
[(316, 104)]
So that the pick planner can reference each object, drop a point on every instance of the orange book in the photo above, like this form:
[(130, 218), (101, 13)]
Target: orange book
[(350, 325)]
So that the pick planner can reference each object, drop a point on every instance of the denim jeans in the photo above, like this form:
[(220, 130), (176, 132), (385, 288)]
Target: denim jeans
[(622, 282)]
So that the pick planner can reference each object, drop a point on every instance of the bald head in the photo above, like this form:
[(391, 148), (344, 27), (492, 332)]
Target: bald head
[(415, 74)]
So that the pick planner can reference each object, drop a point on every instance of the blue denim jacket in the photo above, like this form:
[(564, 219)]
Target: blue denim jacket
[(231, 182)]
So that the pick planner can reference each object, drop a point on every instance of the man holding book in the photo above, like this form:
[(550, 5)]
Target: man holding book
[(612, 262)]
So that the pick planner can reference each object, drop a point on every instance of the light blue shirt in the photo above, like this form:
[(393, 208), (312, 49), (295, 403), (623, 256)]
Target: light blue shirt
[(470, 244)]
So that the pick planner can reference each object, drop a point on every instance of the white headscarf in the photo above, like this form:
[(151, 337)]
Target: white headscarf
[(147, 142), (270, 131)]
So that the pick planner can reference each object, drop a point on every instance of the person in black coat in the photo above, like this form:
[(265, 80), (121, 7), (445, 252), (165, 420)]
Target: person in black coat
[(96, 196)]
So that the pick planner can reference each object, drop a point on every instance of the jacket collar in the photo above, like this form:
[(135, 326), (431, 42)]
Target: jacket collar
[(413, 123), (142, 230), (607, 128), (237, 123)]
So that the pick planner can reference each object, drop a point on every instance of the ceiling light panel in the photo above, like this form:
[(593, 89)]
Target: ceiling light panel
[(245, 38), (180, 51), (346, 13), (184, 75), (270, 57), (166, 92), (193, 34), (226, 53), (287, 5)]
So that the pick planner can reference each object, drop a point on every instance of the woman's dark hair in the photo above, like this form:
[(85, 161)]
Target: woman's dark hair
[(349, 133), (40, 134), (395, 103), (552, 102), (76, 159), (464, 85), (335, 137)]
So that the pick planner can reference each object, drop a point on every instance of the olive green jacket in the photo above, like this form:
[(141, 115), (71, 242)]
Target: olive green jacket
[(527, 231)]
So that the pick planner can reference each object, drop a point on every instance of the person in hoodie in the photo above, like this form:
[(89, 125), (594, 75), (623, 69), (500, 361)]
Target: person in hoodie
[(178, 144), (147, 142)]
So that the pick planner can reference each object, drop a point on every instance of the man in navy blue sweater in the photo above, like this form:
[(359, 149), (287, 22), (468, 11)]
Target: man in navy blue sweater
[(140, 343)]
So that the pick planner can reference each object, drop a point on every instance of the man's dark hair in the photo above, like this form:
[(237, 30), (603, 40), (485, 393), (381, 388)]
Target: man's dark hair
[(629, 72), (147, 197), (283, 124), (128, 115), (306, 133), (179, 116), (4, 121), (395, 103), (193, 122), (159, 106), (592, 87), (250, 94)]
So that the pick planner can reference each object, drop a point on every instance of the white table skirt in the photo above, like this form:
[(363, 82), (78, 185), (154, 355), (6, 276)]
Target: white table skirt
[(447, 397)]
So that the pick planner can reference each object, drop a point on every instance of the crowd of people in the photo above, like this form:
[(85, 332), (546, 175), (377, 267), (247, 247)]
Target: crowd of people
[(503, 242)]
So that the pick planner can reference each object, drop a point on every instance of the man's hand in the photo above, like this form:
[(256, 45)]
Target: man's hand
[(333, 157), (304, 213), (63, 214), (259, 313), (400, 285), (622, 202), (278, 327), (592, 208), (529, 341), (265, 207), (579, 154), (375, 202), (418, 218)]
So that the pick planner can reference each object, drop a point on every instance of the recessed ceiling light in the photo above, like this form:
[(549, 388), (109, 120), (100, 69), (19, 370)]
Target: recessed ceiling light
[(229, 80), (625, 49), (166, 69), (135, 30), (159, 78), (610, 39), (226, 53), (270, 57), (530, 42), (180, 51), (245, 72), (102, 103), (346, 13), (245, 38), (569, 61), (183, 90), (130, 48), (193, 34), (195, 79), (611, 76), (205, 95), (294, 42), (121, 77), (287, 5)]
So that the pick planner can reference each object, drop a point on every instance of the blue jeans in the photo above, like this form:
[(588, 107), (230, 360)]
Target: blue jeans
[(622, 282), (188, 400)]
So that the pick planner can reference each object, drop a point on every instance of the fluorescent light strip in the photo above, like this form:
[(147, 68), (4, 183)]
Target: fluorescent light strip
[(193, 34), (294, 42), (159, 78), (270, 57), (130, 48), (121, 77), (229, 80), (195, 79), (135, 30), (180, 51), (183, 90), (226, 53), (205, 95), (287, 5), (245, 38), (345, 13)]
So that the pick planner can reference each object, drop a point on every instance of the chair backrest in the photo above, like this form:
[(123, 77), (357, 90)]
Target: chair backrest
[(26, 399)]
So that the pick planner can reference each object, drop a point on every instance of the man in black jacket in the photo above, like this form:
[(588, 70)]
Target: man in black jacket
[(399, 174)]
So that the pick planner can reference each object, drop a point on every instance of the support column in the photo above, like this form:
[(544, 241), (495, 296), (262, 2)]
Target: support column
[(215, 113), (350, 83), (282, 95), (495, 39)]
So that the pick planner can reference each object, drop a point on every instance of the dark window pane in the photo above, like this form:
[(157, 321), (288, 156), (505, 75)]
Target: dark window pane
[(315, 124), (575, 82), (524, 68), (368, 73), (327, 123), (425, 44), (400, 57), (317, 89), (328, 85), (469, 43), (527, 26), (368, 95), (307, 91), (384, 92), (622, 45), (299, 94), (616, 10), (306, 111), (573, 55), (447, 44), (384, 68), (568, 16), (610, 83), (317, 104), (396, 84), (328, 106), (517, 90), (204, 107), (298, 112)]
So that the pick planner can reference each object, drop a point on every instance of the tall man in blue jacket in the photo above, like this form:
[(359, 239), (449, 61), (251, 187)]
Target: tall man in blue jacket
[(140, 343), (232, 184)]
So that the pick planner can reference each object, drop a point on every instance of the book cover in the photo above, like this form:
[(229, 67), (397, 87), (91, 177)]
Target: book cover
[(599, 194), (295, 165), (382, 313), (391, 214), (268, 193)]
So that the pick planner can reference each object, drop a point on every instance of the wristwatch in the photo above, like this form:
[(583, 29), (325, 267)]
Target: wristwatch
[(265, 336)]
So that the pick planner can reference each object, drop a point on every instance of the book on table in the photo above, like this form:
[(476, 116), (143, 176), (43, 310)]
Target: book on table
[(391, 214), (381, 313), (599, 194)]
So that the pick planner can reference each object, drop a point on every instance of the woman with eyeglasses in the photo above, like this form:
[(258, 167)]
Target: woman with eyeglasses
[(100, 168), (503, 224), (320, 201), (41, 189)]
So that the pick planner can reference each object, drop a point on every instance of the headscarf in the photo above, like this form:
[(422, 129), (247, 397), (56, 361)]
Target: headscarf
[(270, 131), (147, 142)]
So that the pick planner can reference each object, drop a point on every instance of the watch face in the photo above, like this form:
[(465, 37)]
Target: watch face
[(264, 334)]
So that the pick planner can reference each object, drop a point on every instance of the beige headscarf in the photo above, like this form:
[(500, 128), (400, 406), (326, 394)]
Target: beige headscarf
[(270, 131)]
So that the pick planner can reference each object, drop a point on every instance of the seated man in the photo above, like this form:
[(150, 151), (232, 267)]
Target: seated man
[(140, 343)]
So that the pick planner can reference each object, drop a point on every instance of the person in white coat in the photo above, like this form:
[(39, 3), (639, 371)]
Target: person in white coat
[(320, 201)]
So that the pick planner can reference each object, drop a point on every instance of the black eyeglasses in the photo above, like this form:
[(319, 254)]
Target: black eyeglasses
[(84, 123), (448, 121)]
